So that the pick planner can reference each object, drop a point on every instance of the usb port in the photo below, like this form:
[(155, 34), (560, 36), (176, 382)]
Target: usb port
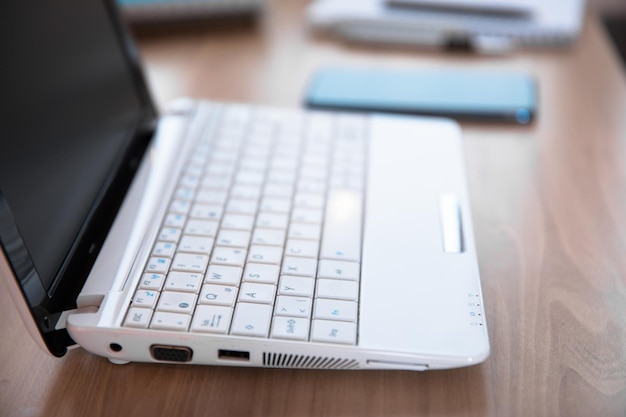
[(233, 355)]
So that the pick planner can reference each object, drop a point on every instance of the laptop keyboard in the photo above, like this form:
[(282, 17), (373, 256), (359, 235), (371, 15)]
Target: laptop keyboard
[(263, 233)]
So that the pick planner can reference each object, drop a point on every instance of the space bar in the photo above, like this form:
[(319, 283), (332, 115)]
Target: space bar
[(341, 236)]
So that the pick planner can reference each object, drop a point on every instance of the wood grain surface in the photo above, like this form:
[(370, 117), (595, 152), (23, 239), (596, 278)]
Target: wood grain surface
[(549, 209)]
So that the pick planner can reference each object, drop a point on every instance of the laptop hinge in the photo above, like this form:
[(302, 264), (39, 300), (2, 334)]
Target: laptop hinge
[(62, 322)]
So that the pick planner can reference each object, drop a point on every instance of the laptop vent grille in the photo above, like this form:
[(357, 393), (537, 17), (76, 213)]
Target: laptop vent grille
[(286, 360)]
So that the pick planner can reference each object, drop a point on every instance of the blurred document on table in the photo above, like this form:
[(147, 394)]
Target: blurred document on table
[(487, 25)]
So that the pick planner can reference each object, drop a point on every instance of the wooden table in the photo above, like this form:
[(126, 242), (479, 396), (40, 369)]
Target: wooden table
[(549, 207)]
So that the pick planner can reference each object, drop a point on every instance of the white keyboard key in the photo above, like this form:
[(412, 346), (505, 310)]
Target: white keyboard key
[(315, 154), (145, 298), (249, 177), (165, 249), (348, 181), (183, 281), (286, 161), (194, 169), (263, 273), (190, 262), (190, 181), (236, 206), (169, 234), (305, 267), (251, 320), (278, 190), (320, 149), (238, 221), (138, 317), (319, 126), (290, 328), (233, 238), (211, 319), (335, 310), (304, 248), (333, 332), (286, 155), (175, 220), (253, 164), (198, 158), (162, 320), (296, 286), (196, 244), (301, 215), (339, 270), (215, 182), (225, 141), (305, 231), (206, 211), (218, 295), (312, 173), (158, 265), (337, 289), (228, 256), (312, 158), (224, 156), (275, 205), (255, 155), (274, 237), (265, 254), (293, 306), (253, 292), (246, 192), (307, 186), (183, 193), (341, 238), (201, 227), (152, 281), (281, 177), (272, 220), (176, 302), (180, 206), (208, 196), (309, 200), (350, 166), (224, 275), (219, 168)]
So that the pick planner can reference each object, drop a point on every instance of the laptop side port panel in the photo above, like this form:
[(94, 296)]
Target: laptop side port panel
[(166, 353)]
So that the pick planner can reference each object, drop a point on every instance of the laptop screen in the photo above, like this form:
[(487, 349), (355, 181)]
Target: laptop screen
[(73, 101)]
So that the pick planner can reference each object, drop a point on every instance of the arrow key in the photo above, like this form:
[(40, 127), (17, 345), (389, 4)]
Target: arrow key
[(293, 306)]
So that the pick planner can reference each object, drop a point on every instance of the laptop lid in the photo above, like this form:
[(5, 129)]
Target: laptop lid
[(77, 117)]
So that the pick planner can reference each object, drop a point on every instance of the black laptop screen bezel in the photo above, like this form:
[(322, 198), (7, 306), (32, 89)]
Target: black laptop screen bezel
[(47, 304)]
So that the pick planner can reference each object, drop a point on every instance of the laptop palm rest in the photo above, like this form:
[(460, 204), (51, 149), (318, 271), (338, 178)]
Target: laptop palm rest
[(414, 291)]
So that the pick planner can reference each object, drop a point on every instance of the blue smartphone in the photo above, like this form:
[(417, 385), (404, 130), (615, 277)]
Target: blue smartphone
[(464, 95)]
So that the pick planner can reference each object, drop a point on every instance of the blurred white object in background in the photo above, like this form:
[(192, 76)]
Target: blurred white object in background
[(487, 26), (151, 11)]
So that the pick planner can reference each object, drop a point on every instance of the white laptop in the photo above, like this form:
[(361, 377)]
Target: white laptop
[(224, 234)]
